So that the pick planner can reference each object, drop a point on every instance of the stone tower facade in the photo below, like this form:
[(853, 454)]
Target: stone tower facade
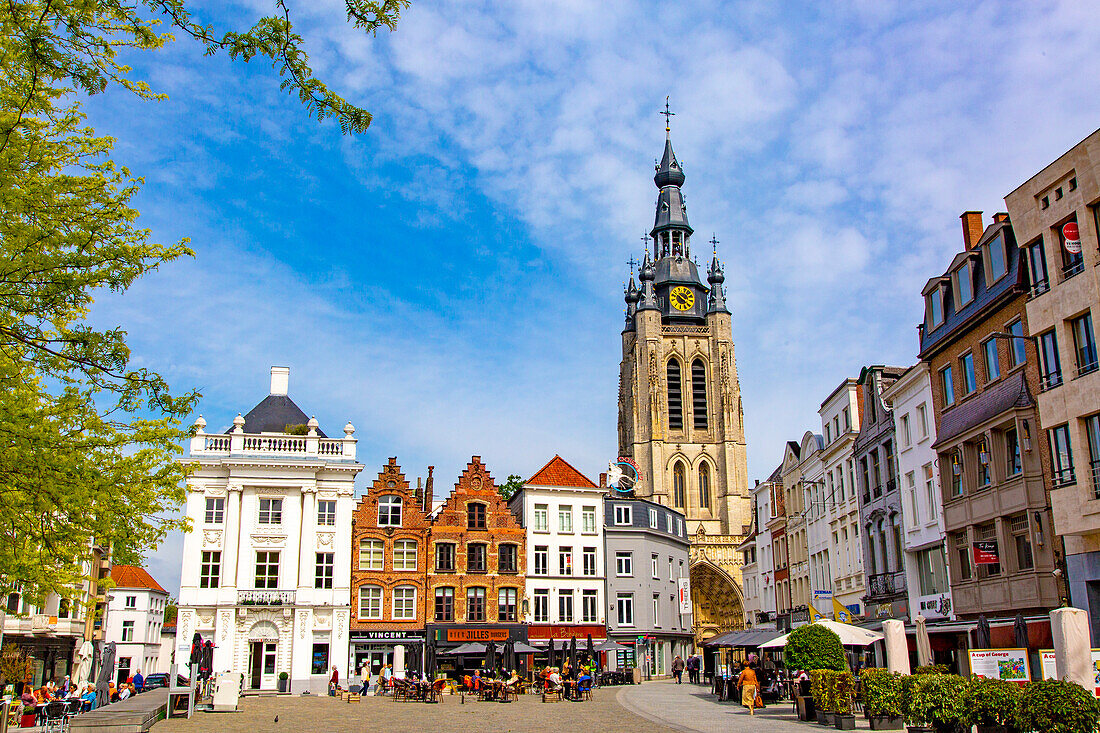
[(680, 415)]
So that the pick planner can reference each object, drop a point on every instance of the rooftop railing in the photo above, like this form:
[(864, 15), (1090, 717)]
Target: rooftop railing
[(240, 442)]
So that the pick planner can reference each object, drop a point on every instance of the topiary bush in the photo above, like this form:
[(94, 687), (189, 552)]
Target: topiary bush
[(939, 700), (1053, 706), (880, 691), (844, 686), (814, 647), (992, 702), (817, 687)]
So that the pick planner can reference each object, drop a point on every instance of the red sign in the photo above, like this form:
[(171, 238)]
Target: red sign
[(985, 553), (477, 634), (563, 631), (1071, 237)]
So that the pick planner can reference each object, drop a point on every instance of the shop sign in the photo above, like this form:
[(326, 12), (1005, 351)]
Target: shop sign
[(465, 635), (1048, 670), (985, 553), (566, 632), (417, 636), (684, 588), (1001, 664), (1071, 238)]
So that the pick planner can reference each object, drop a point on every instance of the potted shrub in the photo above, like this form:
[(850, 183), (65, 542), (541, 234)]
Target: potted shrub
[(817, 694), (880, 691), (26, 720), (844, 686), (284, 682), (993, 705), (931, 669), (828, 685), (1053, 706), (912, 703), (940, 701), (813, 647)]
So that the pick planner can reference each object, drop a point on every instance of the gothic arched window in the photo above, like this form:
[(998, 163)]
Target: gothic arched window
[(704, 486), (675, 397), (699, 394), (678, 485)]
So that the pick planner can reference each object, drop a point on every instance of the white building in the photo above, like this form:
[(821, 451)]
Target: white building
[(167, 654), (926, 577), (840, 419), (267, 564), (817, 522), (135, 617), (562, 513), (758, 572)]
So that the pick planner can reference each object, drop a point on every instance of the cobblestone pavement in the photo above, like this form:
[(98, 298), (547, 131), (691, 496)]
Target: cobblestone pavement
[(693, 709), (329, 715)]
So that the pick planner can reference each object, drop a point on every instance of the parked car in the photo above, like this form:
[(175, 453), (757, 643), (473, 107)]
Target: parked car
[(160, 679)]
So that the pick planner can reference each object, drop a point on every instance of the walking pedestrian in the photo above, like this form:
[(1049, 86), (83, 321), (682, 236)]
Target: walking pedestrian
[(747, 683), (678, 668)]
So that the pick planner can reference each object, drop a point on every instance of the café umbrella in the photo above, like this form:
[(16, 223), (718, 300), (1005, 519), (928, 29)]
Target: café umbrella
[(1020, 628), (491, 656), (573, 652), (924, 644), (982, 634)]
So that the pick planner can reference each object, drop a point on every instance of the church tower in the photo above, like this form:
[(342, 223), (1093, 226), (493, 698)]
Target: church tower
[(680, 415)]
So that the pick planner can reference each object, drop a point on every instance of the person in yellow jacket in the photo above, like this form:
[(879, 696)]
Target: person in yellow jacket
[(747, 683)]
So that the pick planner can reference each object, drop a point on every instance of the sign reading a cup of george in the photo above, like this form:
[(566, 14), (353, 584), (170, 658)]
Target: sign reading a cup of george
[(1071, 238)]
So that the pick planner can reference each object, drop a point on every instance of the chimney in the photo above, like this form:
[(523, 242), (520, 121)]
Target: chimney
[(1000, 216), (972, 227), (603, 480), (280, 379), (429, 490)]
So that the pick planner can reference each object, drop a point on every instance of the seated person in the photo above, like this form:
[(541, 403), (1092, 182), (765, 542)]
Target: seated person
[(124, 693), (553, 680), (28, 697), (88, 698), (477, 683)]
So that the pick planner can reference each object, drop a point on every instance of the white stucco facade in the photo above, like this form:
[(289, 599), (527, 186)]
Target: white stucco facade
[(135, 617), (758, 571), (267, 565), (926, 573), (840, 420)]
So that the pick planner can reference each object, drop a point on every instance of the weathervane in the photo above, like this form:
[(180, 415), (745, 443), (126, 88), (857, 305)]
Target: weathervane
[(667, 113)]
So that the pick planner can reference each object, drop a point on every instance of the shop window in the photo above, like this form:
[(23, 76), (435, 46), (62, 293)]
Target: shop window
[(319, 658)]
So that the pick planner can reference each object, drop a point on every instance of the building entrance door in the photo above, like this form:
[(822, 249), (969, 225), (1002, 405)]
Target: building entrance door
[(261, 665)]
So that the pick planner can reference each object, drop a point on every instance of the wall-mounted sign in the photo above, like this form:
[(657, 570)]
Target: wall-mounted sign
[(1071, 238), (623, 475), (477, 634), (985, 552), (417, 636), (1001, 664), (684, 588)]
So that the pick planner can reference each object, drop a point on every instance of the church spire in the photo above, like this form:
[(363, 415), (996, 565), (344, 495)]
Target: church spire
[(671, 231), (716, 303)]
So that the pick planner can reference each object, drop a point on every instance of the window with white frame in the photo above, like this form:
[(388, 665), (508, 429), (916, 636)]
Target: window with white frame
[(542, 605), (588, 606), (370, 602), (565, 519), (131, 601), (657, 610), (906, 439), (506, 605), (624, 564), (624, 606), (267, 569), (588, 520), (589, 561), (215, 509), (922, 419), (322, 577), (127, 630), (653, 519), (670, 578), (404, 555), (389, 511), (326, 512), (271, 511), (542, 560), (565, 605), (565, 561), (210, 569), (541, 521), (404, 603), (622, 514), (370, 554), (654, 561)]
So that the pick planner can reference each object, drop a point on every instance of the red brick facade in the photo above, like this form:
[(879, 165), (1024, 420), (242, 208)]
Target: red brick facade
[(459, 526), (378, 567)]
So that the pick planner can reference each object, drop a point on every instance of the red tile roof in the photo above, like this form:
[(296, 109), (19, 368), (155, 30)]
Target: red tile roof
[(558, 472), (131, 576)]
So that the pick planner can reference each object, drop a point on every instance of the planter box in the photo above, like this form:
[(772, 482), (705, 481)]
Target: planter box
[(820, 715), (996, 729), (883, 722), (806, 709), (844, 722), (921, 729), (26, 721), (284, 685), (830, 718)]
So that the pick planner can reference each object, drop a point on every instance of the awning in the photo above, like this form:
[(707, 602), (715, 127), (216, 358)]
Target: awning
[(471, 647), (743, 638), (608, 646), (849, 635)]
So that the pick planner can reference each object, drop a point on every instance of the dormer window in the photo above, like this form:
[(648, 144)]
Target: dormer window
[(995, 255), (934, 308), (964, 286)]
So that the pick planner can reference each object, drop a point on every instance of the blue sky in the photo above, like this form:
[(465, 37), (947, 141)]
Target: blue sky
[(451, 280)]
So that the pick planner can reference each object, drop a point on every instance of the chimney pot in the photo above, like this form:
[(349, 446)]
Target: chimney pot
[(603, 480), (972, 228), (280, 380)]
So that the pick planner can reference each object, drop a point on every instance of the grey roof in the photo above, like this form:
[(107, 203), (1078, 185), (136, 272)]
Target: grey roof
[(273, 414), (678, 270), (671, 211), (669, 172), (744, 638), (1010, 394)]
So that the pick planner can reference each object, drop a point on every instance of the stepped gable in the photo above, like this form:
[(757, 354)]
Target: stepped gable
[(559, 472), (390, 481), (476, 483)]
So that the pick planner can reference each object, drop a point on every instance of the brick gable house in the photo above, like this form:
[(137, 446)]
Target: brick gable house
[(389, 567), (478, 553)]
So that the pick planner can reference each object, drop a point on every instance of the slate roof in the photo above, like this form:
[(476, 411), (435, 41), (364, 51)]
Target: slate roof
[(1011, 393), (558, 472), (273, 414), (131, 576), (955, 322)]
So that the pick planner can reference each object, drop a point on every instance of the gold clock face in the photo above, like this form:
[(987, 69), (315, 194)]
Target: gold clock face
[(682, 298)]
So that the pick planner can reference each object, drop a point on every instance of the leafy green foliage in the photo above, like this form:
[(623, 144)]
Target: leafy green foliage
[(937, 699), (844, 686), (817, 687), (880, 691), (992, 702), (511, 486), (931, 669), (814, 647), (1053, 706), (88, 439), (15, 664)]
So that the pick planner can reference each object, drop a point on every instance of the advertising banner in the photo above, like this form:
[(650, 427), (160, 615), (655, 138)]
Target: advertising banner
[(1001, 664), (985, 553), (684, 588), (1048, 671)]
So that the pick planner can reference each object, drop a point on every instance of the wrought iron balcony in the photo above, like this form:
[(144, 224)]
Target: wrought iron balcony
[(265, 598), (1095, 466), (886, 584)]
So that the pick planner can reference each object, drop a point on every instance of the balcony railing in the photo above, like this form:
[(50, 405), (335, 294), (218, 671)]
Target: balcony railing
[(295, 446), (1095, 468), (886, 584), (1087, 368), (265, 598), (1074, 268), (1040, 287), (1050, 381), (891, 485), (1063, 477)]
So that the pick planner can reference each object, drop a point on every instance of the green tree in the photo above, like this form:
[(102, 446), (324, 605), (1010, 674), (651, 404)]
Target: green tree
[(88, 440), (511, 486), (812, 647)]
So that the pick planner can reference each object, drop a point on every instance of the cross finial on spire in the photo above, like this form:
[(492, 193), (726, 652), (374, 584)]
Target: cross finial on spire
[(667, 113), (714, 243), (633, 263)]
